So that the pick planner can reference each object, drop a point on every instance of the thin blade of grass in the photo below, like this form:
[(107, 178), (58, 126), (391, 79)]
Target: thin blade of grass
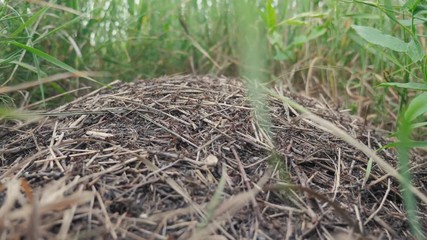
[(29, 22), (350, 140), (53, 60), (49, 79)]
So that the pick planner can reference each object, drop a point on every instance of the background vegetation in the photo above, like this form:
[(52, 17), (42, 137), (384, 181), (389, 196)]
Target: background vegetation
[(309, 45), (368, 56)]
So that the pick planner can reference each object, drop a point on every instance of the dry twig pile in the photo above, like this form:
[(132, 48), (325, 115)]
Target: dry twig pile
[(143, 161)]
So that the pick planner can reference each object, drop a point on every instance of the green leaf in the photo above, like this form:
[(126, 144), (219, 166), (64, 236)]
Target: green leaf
[(408, 22), (295, 19), (379, 52), (275, 38), (388, 9), (29, 67), (29, 22), (369, 3), (8, 59), (418, 125), (57, 87), (61, 27), (417, 107), (315, 33), (363, 16), (418, 144), (415, 86), (280, 56), (415, 51), (45, 56), (295, 22), (368, 171), (374, 36), (270, 16), (51, 59), (411, 4), (420, 9)]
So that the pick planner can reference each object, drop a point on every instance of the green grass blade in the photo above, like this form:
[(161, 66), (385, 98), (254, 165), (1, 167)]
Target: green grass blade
[(410, 85), (29, 22), (24, 65), (216, 199), (52, 60), (61, 27), (411, 4), (417, 107), (368, 172), (415, 50), (418, 125), (410, 203)]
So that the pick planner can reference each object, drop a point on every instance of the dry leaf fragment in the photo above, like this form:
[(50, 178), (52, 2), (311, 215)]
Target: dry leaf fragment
[(211, 160), (99, 135)]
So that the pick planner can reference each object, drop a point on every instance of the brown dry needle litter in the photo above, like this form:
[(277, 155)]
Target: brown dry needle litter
[(143, 160)]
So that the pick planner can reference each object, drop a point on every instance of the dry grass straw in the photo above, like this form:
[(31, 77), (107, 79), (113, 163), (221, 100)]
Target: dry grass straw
[(181, 157), (351, 140)]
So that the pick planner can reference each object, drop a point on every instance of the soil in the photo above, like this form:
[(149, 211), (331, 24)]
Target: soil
[(182, 157)]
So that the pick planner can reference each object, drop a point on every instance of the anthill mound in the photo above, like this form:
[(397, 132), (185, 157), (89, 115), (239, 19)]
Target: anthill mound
[(144, 160)]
